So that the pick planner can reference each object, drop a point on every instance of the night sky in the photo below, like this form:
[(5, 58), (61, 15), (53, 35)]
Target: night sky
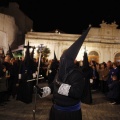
[(69, 17)]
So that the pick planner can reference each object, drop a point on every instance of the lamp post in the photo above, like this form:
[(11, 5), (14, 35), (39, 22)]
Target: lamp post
[(40, 49)]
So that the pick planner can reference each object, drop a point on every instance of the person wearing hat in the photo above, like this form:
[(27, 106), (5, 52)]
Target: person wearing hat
[(68, 87)]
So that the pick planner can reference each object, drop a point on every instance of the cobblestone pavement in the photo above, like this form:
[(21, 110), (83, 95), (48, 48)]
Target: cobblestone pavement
[(99, 110)]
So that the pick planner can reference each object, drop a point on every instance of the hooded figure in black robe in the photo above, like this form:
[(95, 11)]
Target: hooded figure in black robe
[(26, 72), (68, 86), (87, 71), (53, 69)]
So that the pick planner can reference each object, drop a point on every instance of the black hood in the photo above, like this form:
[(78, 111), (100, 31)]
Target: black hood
[(68, 57), (3, 53), (85, 60), (55, 58), (55, 63), (10, 52), (32, 53), (28, 60)]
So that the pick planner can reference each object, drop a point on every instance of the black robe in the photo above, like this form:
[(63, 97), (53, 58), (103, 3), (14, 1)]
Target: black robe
[(87, 96), (53, 71), (25, 89), (77, 82)]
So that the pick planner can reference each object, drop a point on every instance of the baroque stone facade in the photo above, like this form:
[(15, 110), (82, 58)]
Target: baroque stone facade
[(101, 44)]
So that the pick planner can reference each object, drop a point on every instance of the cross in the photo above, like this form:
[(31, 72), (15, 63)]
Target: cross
[(40, 48), (28, 46)]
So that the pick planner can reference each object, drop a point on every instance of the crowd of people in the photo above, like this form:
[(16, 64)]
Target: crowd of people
[(105, 77)]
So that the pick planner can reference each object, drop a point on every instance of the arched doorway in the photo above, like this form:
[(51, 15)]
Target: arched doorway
[(93, 56), (117, 57)]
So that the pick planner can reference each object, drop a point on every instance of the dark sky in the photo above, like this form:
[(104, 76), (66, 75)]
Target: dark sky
[(68, 16)]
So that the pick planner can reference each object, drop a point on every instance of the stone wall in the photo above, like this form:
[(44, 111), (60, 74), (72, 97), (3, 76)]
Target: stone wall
[(23, 22), (8, 31), (105, 41)]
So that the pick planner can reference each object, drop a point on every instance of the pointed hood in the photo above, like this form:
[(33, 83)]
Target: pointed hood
[(27, 53), (55, 63), (85, 60), (87, 71), (68, 57), (10, 52), (3, 53), (32, 53), (55, 58), (28, 60)]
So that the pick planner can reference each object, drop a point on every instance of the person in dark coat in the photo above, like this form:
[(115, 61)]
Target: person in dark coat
[(95, 77), (3, 85), (113, 70), (7, 65), (68, 86), (114, 90), (2, 56), (14, 77)]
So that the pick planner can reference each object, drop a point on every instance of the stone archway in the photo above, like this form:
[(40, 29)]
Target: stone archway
[(117, 57), (93, 55)]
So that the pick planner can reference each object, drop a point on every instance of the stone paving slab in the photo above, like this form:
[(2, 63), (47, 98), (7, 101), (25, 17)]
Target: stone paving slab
[(99, 110)]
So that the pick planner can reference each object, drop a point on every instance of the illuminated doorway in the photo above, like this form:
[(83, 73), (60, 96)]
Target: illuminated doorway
[(117, 57), (93, 56)]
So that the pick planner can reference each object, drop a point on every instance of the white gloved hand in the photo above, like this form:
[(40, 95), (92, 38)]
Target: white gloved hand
[(91, 80), (43, 92), (50, 71), (19, 76), (34, 75)]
